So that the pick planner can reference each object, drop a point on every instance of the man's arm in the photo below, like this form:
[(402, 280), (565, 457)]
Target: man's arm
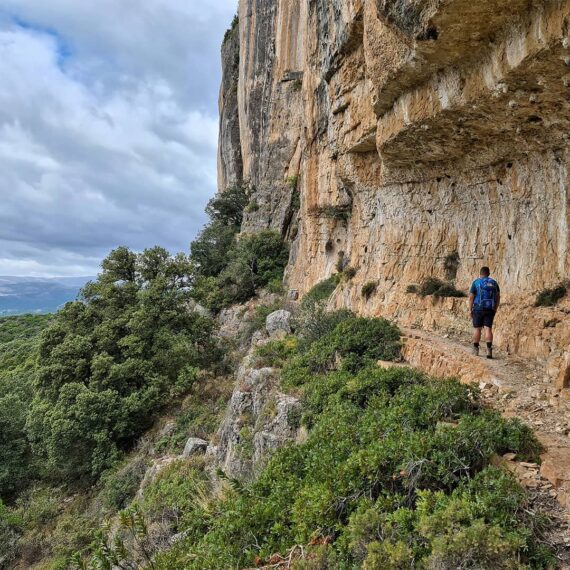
[(498, 301), (472, 294)]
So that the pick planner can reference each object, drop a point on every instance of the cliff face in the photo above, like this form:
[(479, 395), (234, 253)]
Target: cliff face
[(414, 132)]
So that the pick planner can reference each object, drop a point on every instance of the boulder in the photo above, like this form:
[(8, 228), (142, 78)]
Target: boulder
[(194, 446), (195, 307), (279, 321)]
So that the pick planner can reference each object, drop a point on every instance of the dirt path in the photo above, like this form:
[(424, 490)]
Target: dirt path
[(517, 388)]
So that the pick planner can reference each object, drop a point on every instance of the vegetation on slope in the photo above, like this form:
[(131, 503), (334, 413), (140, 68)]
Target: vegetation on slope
[(111, 361), (228, 268), (395, 473), (550, 297), (18, 344), (81, 388)]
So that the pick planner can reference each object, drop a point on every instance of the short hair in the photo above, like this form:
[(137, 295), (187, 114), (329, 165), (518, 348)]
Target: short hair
[(485, 271)]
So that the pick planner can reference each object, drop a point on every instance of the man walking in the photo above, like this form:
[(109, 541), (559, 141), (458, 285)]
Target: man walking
[(484, 300)]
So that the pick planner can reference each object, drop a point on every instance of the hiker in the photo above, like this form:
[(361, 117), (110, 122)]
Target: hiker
[(484, 300)]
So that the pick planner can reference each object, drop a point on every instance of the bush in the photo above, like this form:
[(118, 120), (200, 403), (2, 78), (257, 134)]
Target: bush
[(350, 273), (276, 353), (10, 529), (256, 260), (227, 207), (227, 270), (451, 265), (19, 340), (351, 345), (394, 474), (342, 213), (313, 320), (320, 292), (437, 288), (209, 252), (252, 207), (120, 485), (293, 182), (233, 27), (171, 495), (368, 289), (549, 297)]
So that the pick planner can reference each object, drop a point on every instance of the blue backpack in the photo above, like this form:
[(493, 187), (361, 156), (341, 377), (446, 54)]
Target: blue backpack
[(486, 299)]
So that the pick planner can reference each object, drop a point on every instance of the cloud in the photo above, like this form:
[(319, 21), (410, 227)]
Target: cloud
[(108, 128)]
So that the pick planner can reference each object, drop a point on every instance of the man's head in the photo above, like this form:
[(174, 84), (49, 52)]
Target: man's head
[(485, 272)]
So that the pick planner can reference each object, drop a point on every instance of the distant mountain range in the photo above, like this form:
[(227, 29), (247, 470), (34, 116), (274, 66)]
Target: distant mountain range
[(19, 295)]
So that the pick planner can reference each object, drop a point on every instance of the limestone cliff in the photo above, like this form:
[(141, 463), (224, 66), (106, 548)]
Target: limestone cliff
[(413, 130)]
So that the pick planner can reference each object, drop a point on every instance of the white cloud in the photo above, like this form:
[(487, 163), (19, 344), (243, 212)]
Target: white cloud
[(108, 127)]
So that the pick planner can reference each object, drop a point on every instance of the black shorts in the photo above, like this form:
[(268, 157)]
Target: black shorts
[(483, 319)]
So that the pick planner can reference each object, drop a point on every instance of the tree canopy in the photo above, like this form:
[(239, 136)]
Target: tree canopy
[(110, 360)]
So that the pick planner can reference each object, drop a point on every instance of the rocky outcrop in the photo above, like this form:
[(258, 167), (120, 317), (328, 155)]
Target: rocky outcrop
[(259, 418), (415, 132), (278, 323), (230, 164), (194, 446)]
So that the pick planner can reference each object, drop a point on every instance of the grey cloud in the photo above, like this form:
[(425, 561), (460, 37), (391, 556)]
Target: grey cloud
[(108, 127)]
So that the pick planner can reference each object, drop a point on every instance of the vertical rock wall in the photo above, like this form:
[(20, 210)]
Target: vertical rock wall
[(413, 131)]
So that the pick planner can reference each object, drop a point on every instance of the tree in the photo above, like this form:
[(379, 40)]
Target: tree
[(227, 207), (255, 261), (111, 360)]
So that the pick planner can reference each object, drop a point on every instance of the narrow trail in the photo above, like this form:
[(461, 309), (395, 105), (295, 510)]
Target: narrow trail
[(517, 388)]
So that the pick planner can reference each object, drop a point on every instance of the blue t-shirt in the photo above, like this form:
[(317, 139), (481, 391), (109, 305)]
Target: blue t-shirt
[(485, 298)]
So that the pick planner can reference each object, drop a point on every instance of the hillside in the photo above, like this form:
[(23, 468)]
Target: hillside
[(297, 392)]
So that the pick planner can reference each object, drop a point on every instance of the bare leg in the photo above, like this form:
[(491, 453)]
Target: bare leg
[(477, 335), (489, 340)]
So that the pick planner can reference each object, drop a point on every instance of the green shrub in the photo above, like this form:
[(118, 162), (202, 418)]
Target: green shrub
[(451, 265), (233, 27), (174, 492), (10, 530), (120, 485), (295, 201), (413, 289), (394, 474), (19, 340), (209, 251), (199, 415), (438, 288), (212, 252), (275, 286), (227, 207), (368, 289), (352, 344), (260, 318), (342, 213), (320, 292), (313, 324), (293, 182), (255, 261), (252, 207), (276, 353), (341, 263), (349, 273), (549, 297)]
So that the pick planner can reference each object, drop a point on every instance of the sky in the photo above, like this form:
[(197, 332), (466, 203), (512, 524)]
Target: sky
[(108, 128)]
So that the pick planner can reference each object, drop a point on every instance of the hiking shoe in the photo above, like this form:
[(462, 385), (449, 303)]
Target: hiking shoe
[(475, 351), (490, 353)]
